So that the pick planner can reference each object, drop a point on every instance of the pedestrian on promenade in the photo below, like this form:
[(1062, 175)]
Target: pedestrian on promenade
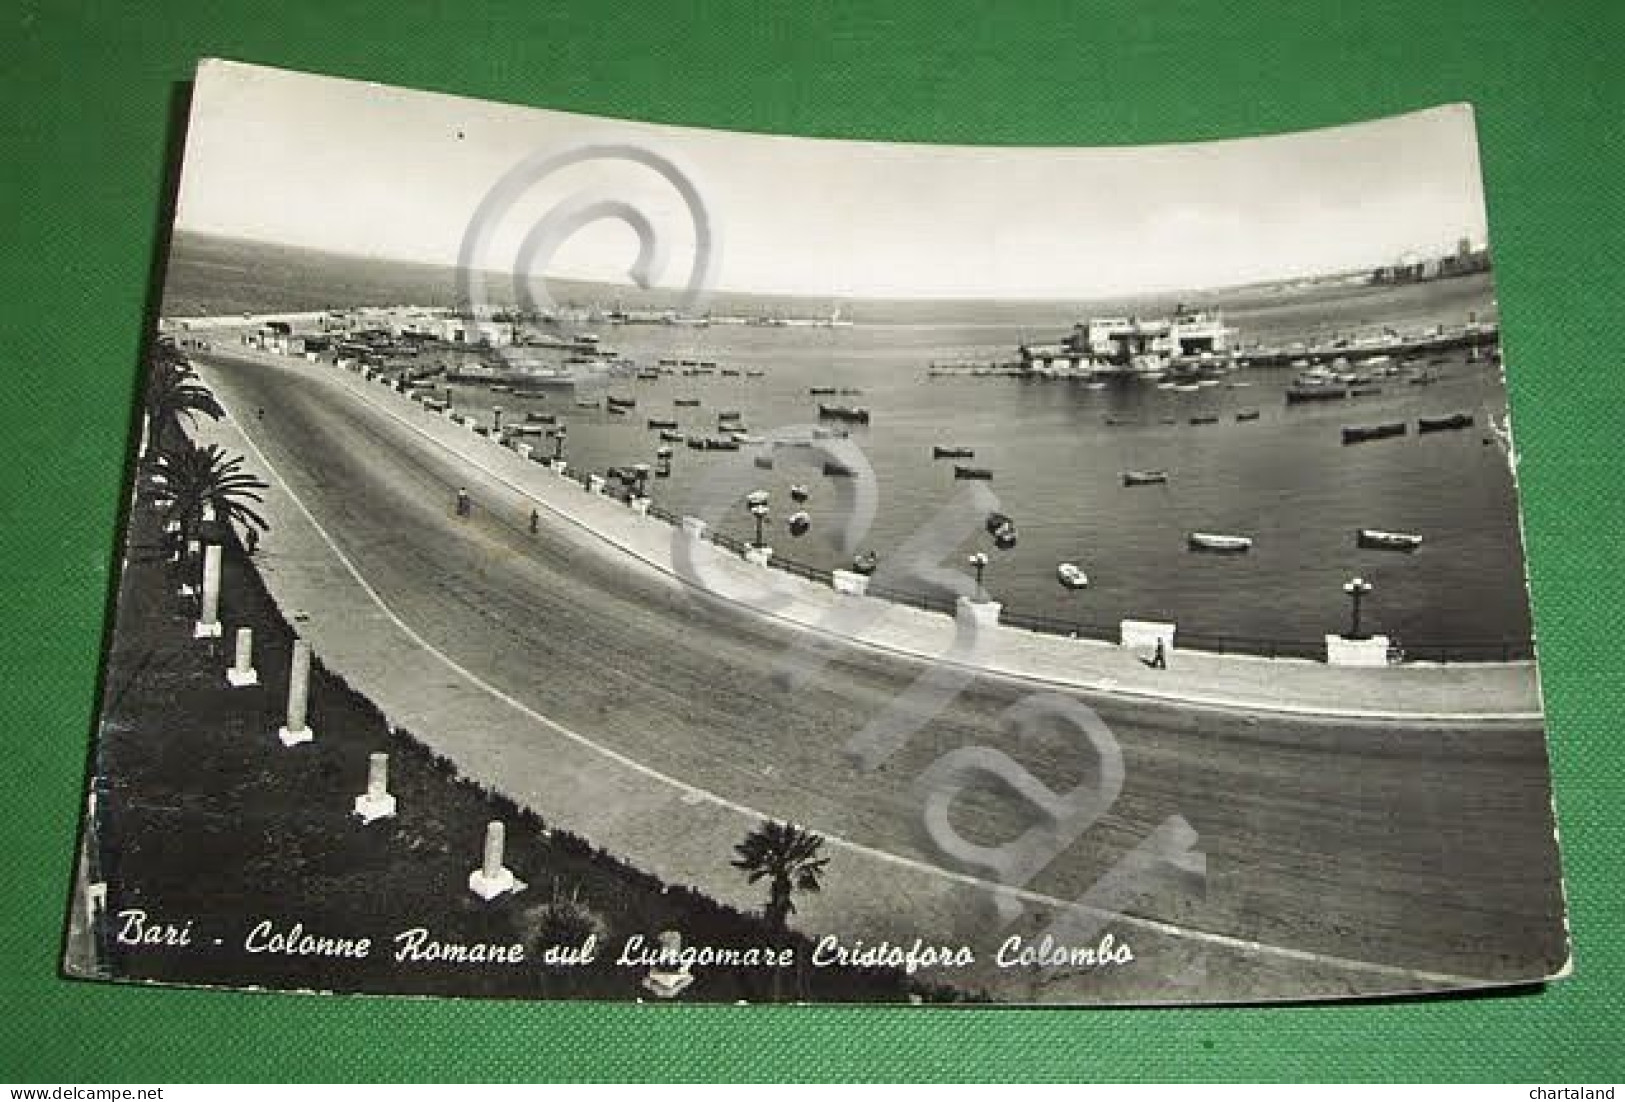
[(462, 501), (535, 522), (1159, 657)]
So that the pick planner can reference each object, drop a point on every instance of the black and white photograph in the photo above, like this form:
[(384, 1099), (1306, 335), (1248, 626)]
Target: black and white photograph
[(577, 558)]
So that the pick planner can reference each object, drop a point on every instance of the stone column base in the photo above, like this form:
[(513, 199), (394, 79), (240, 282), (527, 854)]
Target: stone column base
[(295, 738), (667, 985), (1343, 651), (850, 582), (489, 887), (241, 679), (368, 808), (979, 614), (640, 506), (200, 630), (760, 556)]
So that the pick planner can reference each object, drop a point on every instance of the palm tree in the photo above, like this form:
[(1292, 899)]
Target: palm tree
[(173, 393), (787, 858), (193, 481)]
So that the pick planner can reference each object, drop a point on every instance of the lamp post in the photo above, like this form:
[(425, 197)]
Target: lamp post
[(978, 563), (558, 443), (1356, 588), (496, 420), (757, 504)]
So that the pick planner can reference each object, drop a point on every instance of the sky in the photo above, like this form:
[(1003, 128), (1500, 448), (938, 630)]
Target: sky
[(370, 170)]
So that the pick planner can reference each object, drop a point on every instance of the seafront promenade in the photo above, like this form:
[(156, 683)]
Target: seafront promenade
[(1414, 692)]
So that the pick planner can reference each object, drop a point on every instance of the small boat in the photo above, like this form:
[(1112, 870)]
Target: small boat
[(672, 436), (530, 393), (685, 401), (668, 363), (855, 414), (501, 388), (1072, 576), (1205, 419), (1246, 415), (1315, 392), (1186, 388), (953, 453), (647, 374), (542, 418), (660, 423), (833, 469), (621, 403), (821, 391), (1003, 531), (721, 444), (1209, 541), (764, 462), (799, 523), (798, 493), (728, 415), (865, 562), (973, 474), (1117, 422), (730, 372), (1388, 541), (1354, 434), (739, 436), (754, 373), (1443, 424), (619, 411), (1144, 478), (586, 403), (663, 452), (1365, 391)]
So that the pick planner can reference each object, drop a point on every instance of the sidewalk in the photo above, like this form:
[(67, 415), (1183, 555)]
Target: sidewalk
[(1449, 693)]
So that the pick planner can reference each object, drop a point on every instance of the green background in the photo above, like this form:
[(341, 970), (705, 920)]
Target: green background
[(86, 109)]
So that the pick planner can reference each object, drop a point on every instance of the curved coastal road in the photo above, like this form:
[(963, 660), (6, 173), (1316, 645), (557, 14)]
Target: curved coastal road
[(1420, 848)]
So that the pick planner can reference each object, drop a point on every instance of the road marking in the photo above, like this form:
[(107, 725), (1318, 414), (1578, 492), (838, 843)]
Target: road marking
[(694, 793)]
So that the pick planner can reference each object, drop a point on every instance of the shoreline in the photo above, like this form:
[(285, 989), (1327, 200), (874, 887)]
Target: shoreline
[(1429, 692)]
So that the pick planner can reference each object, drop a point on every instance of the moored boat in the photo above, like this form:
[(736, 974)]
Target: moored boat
[(799, 523), (1211, 541), (661, 423), (973, 474), (834, 469), (1443, 424), (1246, 415), (1307, 391), (854, 414), (1144, 478), (939, 452), (1072, 576), (672, 436), (798, 493), (1388, 541), (685, 401), (1354, 434), (542, 418), (1205, 419)]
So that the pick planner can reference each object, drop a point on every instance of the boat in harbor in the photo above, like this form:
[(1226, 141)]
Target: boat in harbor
[(821, 391), (1211, 541), (1444, 424), (1315, 390), (1002, 529), (1387, 541), (1072, 576), (713, 443), (1145, 478), (798, 493), (834, 469), (865, 562), (685, 401), (939, 452), (622, 403), (799, 523), (619, 411), (763, 462), (1205, 419), (661, 423), (973, 474), (754, 373), (1355, 434), (1365, 391), (586, 403), (672, 436), (542, 418), (854, 414), (1246, 415)]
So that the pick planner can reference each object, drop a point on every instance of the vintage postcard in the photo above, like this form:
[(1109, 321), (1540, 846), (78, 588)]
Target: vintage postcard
[(570, 558)]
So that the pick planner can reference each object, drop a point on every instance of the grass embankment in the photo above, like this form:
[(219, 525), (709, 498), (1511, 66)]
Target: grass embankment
[(207, 817)]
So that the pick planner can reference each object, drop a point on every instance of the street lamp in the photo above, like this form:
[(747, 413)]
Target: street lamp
[(496, 420), (757, 504), (1356, 588), (558, 442), (978, 563)]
